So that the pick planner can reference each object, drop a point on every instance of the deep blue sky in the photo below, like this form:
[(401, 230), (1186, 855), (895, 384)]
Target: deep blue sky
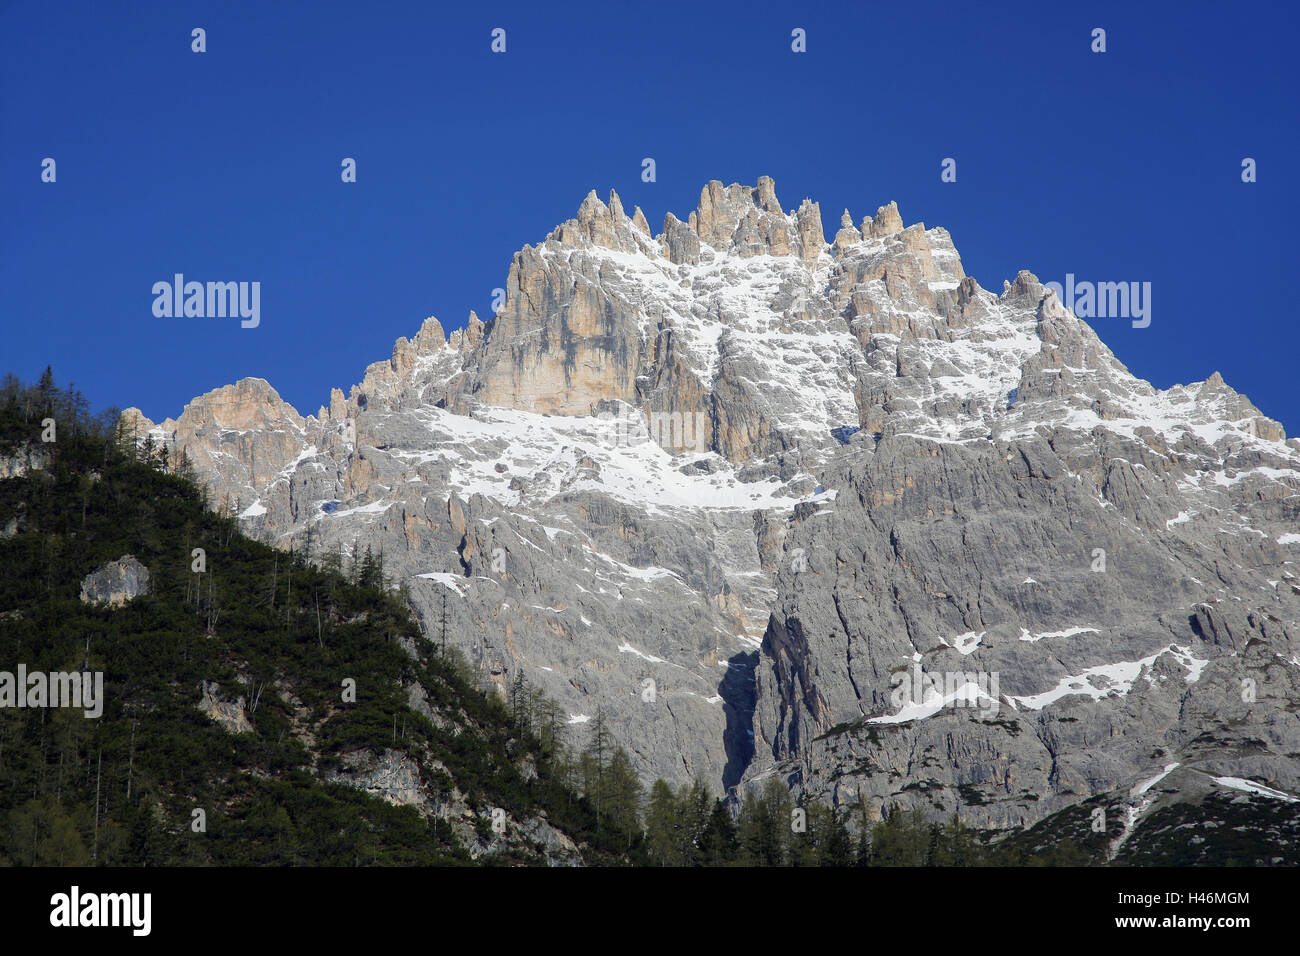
[(225, 165)]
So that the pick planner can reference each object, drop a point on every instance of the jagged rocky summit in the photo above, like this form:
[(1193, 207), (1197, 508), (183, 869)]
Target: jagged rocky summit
[(741, 487)]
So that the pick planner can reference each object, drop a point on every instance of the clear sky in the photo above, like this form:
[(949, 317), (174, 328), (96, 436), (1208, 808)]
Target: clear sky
[(225, 165)]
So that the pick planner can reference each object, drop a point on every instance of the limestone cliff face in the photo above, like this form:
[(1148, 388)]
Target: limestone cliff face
[(730, 481), (564, 342)]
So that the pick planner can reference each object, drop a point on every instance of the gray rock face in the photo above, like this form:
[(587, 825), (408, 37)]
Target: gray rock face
[(734, 483), (391, 776), (1086, 672), (26, 459), (116, 583)]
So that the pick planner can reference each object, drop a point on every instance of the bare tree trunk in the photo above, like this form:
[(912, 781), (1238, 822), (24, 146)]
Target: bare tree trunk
[(130, 770), (94, 853)]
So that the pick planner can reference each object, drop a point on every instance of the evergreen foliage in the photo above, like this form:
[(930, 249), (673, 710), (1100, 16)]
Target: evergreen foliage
[(268, 627)]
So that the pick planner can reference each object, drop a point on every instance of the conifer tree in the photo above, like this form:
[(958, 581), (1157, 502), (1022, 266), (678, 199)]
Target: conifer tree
[(662, 827), (594, 763), (623, 796), (764, 825), (718, 845)]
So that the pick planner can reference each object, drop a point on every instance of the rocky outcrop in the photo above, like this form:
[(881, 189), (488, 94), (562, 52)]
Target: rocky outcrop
[(25, 459), (116, 583), (729, 482), (396, 778), (391, 776), (230, 714)]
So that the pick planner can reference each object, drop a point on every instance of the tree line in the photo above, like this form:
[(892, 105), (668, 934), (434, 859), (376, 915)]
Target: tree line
[(764, 826)]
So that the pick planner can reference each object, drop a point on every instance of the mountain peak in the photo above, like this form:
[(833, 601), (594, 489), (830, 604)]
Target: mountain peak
[(854, 457)]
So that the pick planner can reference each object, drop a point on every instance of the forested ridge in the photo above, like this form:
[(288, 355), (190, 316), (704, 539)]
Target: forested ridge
[(270, 627)]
